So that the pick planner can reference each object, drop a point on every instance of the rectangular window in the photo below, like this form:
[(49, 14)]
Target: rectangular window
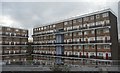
[(79, 20), (106, 30), (86, 47), (99, 31), (99, 38), (107, 21), (70, 34), (100, 54), (75, 27), (80, 33), (75, 47), (92, 18), (93, 46), (91, 39), (80, 47), (86, 19), (75, 34), (53, 25), (74, 21), (105, 15), (106, 46), (93, 32), (65, 23), (86, 32), (41, 28), (17, 30), (97, 16), (99, 47), (70, 22), (8, 29), (50, 26), (80, 26), (44, 27)]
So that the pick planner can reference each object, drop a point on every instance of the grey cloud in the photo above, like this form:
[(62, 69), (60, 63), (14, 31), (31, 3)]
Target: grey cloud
[(30, 14)]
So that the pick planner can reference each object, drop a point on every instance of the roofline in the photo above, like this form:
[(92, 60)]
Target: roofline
[(13, 27), (76, 17)]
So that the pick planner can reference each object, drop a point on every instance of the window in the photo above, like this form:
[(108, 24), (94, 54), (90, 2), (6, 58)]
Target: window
[(105, 15), (92, 46), (75, 47), (92, 53), (41, 28), (86, 32), (80, 33), (106, 30), (98, 46), (53, 36), (17, 30), (91, 24), (86, 47), (14, 34), (44, 27), (65, 23), (100, 54), (99, 31), (67, 34), (99, 38), (107, 21), (80, 47), (8, 29), (53, 25), (69, 28), (24, 31), (81, 39), (70, 22), (75, 34), (74, 21), (7, 33), (80, 26), (92, 32), (34, 29), (106, 46), (86, 19), (100, 23), (91, 38), (50, 26), (97, 16), (70, 34), (79, 20), (84, 25), (75, 27), (92, 18)]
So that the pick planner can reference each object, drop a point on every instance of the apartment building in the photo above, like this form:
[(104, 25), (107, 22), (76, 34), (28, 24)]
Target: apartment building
[(13, 43), (92, 36)]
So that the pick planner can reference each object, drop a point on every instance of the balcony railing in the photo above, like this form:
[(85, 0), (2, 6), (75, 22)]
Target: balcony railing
[(14, 44), (81, 42), (103, 41), (14, 53)]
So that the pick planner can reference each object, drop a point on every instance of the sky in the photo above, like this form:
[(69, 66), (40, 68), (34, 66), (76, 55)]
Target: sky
[(33, 13)]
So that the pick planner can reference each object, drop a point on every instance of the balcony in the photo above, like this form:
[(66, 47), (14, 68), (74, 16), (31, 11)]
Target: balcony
[(92, 41), (11, 53), (103, 41)]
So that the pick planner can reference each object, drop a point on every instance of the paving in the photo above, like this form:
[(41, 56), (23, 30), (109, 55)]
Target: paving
[(47, 68)]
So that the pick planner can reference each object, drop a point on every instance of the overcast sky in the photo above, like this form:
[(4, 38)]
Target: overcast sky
[(32, 14)]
